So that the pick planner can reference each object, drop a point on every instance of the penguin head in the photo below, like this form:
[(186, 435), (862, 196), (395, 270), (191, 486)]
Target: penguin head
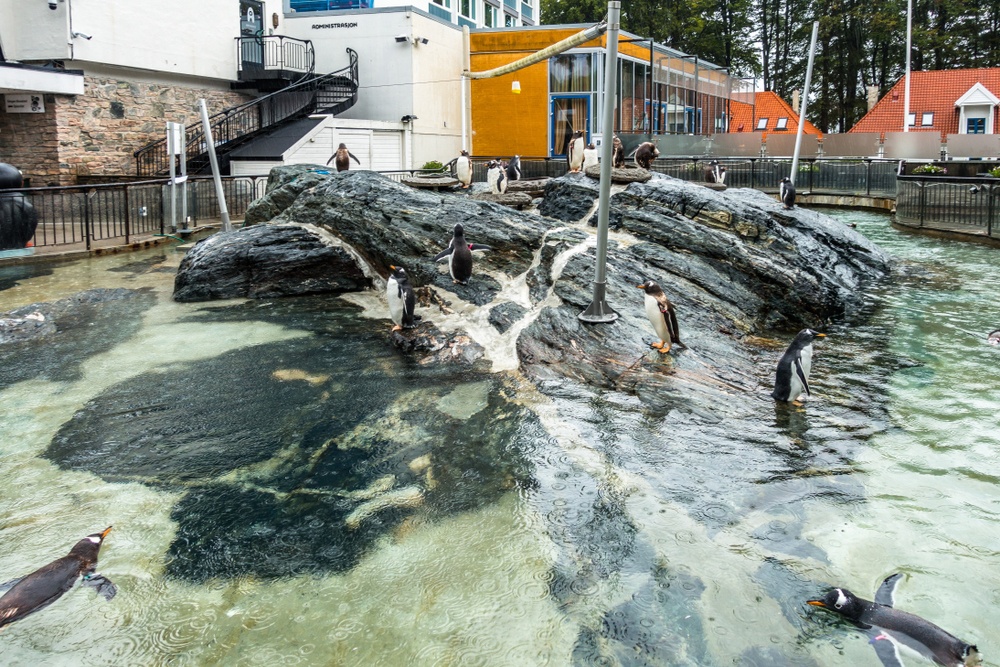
[(399, 273), (650, 287), (342, 147), (805, 337), (459, 230), (994, 337), (464, 153), (591, 146), (785, 180), (88, 548), (841, 601)]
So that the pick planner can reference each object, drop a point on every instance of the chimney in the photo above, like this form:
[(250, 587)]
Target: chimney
[(795, 100), (872, 96)]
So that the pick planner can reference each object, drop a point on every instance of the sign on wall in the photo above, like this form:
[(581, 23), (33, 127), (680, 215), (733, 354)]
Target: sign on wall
[(24, 103)]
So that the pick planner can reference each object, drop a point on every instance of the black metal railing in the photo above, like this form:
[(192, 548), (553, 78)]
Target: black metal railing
[(87, 215), (330, 93), (948, 203), (274, 53)]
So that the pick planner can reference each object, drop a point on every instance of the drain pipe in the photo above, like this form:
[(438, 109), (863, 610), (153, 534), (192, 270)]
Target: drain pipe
[(599, 311), (805, 99), (464, 81)]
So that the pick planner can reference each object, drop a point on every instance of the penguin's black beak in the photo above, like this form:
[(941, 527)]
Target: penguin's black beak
[(817, 603), (106, 531)]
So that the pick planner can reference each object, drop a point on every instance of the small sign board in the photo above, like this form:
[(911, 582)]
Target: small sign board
[(24, 103)]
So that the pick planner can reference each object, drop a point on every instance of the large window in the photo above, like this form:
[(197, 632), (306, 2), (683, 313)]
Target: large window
[(571, 74), (467, 8), (490, 16)]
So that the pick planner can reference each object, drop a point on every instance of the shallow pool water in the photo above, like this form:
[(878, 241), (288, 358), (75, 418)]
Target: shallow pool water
[(287, 488)]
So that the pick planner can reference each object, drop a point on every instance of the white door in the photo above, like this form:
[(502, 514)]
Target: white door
[(387, 150), (359, 142)]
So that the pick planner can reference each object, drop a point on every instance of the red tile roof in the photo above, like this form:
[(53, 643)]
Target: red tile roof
[(935, 91), (767, 105)]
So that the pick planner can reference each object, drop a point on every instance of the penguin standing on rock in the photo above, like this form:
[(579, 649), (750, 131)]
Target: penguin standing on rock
[(514, 168), (792, 377), (496, 177), (402, 300), (47, 584), (590, 158), (459, 254), (889, 627), (463, 169), (645, 154), (662, 316), (786, 193), (342, 158), (574, 152), (617, 153)]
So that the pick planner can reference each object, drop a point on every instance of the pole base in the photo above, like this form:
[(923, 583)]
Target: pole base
[(598, 312)]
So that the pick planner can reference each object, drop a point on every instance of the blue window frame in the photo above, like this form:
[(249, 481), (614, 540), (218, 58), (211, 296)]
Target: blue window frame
[(975, 126), (567, 113)]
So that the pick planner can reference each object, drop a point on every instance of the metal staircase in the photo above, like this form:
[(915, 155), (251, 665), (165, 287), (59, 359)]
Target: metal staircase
[(331, 93)]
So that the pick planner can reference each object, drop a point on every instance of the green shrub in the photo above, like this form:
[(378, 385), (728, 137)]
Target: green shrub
[(930, 169), (433, 164)]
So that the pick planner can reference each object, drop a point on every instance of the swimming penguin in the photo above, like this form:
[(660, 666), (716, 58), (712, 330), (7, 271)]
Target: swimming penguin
[(994, 337), (402, 301), (645, 154), (786, 193), (463, 169), (888, 627), (514, 168), (459, 254), (342, 158), (496, 177), (574, 151), (590, 158), (662, 316), (47, 584), (617, 153), (792, 377)]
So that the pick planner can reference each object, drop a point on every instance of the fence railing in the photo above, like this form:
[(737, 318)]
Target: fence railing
[(87, 215), (947, 203)]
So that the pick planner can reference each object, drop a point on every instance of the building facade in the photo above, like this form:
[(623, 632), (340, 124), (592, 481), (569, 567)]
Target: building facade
[(470, 13)]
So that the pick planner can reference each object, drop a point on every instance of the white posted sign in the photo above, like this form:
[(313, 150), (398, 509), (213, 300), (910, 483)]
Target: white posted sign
[(24, 103)]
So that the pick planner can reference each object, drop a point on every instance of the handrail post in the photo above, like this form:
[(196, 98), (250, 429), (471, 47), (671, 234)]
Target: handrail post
[(753, 165), (923, 199), (812, 163), (989, 211), (86, 219), (128, 217)]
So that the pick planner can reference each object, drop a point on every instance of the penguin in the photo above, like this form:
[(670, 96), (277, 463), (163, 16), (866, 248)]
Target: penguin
[(496, 177), (574, 152), (35, 591), (787, 193), (401, 298), (514, 168), (463, 169), (662, 316), (590, 158), (715, 173), (459, 254), (994, 337), (645, 154), (342, 158), (792, 376), (888, 626), (617, 153)]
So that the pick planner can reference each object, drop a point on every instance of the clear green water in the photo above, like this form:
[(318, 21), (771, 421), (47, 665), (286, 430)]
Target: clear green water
[(287, 489)]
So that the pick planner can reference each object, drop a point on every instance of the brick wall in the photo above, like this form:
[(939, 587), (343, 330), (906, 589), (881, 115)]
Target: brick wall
[(96, 133)]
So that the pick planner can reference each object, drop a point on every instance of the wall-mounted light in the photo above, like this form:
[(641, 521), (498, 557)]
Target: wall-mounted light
[(516, 87), (407, 118), (274, 20), (401, 38), (81, 34), (419, 40)]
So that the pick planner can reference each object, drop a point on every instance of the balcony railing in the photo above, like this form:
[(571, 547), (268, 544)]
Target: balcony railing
[(273, 54)]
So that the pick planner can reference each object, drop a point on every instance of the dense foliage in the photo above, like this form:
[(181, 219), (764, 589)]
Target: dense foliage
[(861, 43)]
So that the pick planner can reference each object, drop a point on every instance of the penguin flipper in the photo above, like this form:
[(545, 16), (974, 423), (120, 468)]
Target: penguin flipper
[(802, 375), (885, 649), (355, 159), (444, 253), (479, 246), (885, 595), (671, 317), (104, 587), (7, 585)]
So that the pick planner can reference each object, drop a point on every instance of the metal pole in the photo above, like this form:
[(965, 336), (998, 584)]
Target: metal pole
[(210, 146), (466, 66), (599, 311), (805, 99), (172, 154), (906, 86), (182, 133)]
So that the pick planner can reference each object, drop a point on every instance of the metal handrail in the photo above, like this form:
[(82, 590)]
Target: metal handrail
[(277, 52), (232, 126)]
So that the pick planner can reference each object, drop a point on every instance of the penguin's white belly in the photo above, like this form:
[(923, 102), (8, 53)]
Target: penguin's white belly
[(463, 169), (590, 159), (395, 301), (805, 359), (576, 154), (657, 320)]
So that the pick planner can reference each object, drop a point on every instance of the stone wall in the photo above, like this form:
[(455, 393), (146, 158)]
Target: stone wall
[(97, 133)]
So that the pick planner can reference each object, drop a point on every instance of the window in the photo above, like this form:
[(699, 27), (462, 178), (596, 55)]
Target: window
[(467, 8), (509, 21), (571, 74), (490, 16), (911, 119), (782, 124), (444, 3), (927, 118), (975, 126), (761, 123)]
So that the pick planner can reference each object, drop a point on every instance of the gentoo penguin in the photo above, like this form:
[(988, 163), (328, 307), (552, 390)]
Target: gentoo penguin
[(715, 173), (463, 169), (792, 377), (496, 177), (459, 254), (342, 158), (662, 316), (402, 301), (617, 153), (47, 584), (645, 154), (590, 157), (994, 337), (889, 627), (514, 168), (786, 193), (574, 152)]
